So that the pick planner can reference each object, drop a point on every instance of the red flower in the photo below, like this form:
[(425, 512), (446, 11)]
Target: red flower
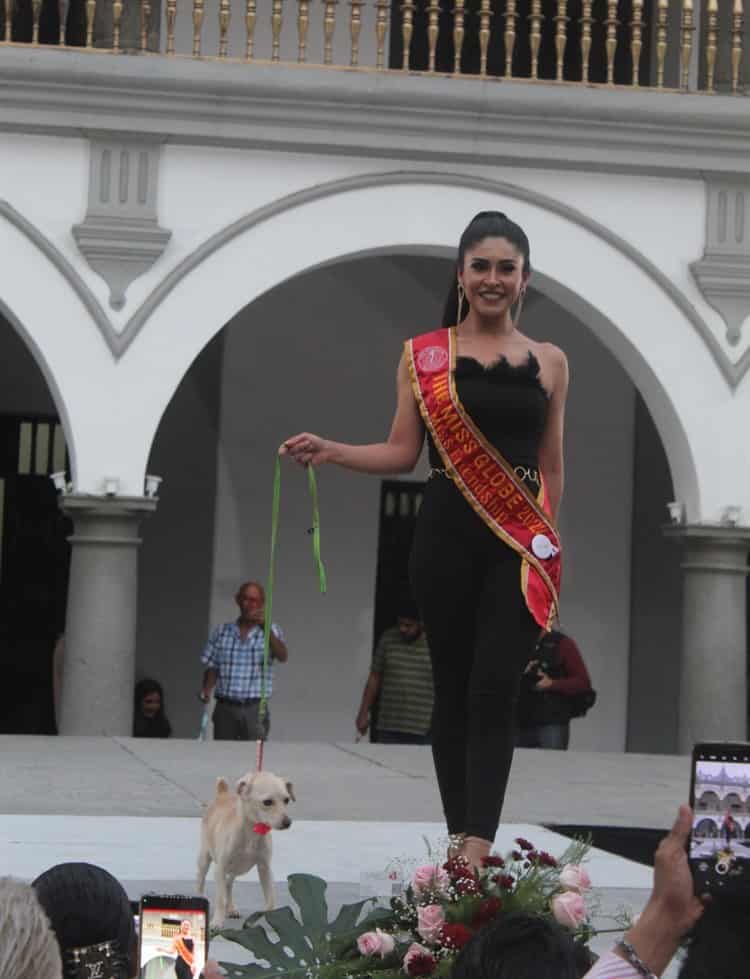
[(421, 965), (524, 844), (517, 855), (455, 936), (505, 881), (457, 867), (467, 885), (546, 859), (261, 828), (493, 861), (488, 910)]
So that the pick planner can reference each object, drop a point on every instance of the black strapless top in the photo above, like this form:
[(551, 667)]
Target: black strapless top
[(507, 403)]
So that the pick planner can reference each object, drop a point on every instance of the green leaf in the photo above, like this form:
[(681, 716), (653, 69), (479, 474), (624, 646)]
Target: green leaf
[(309, 893), (348, 916)]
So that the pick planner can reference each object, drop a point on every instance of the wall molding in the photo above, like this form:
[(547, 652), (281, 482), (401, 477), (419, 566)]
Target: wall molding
[(732, 371), (120, 236), (385, 115), (723, 274)]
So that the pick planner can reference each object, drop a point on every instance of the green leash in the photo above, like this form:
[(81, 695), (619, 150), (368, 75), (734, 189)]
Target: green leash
[(315, 532)]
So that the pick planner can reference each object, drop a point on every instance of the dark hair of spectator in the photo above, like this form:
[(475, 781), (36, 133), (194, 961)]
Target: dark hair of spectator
[(519, 946), (86, 906), (719, 945), (149, 727)]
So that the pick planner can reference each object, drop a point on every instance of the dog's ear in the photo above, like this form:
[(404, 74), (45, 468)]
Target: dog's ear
[(244, 784), (290, 790)]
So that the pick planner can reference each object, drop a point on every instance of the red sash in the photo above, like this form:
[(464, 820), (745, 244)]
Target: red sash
[(484, 477)]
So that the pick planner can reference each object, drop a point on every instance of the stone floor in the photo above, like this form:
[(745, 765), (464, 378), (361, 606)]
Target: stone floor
[(134, 807)]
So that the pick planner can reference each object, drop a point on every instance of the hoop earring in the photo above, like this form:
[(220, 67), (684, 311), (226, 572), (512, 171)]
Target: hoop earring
[(461, 297)]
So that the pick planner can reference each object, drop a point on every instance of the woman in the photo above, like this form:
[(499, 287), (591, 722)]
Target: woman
[(183, 947), (149, 719), (485, 560)]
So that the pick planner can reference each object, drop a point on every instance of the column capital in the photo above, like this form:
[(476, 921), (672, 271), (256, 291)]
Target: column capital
[(87, 504), (107, 519), (712, 547)]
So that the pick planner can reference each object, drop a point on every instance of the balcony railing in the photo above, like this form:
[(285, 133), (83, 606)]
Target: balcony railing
[(651, 44)]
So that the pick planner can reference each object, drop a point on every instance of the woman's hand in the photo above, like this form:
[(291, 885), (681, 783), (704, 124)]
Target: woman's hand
[(306, 449)]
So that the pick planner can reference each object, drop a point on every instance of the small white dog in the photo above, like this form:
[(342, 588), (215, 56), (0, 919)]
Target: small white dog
[(236, 835)]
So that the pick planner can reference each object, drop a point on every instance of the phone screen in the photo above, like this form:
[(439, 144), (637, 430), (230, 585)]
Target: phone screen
[(173, 937), (720, 839)]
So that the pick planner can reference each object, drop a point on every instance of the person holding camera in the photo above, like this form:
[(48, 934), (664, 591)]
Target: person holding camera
[(555, 687)]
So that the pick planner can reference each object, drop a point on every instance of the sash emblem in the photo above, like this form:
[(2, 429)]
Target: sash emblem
[(432, 359)]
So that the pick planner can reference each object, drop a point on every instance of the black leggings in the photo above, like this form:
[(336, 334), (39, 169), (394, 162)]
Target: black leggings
[(467, 585)]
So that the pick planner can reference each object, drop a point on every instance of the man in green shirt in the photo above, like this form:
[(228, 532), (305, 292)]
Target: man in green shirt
[(401, 681)]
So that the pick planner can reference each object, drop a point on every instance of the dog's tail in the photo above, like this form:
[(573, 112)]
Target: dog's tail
[(222, 786)]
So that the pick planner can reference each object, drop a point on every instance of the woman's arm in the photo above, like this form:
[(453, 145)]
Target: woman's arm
[(551, 448), (399, 454)]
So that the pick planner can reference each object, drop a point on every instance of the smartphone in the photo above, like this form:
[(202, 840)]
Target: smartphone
[(173, 936), (719, 851)]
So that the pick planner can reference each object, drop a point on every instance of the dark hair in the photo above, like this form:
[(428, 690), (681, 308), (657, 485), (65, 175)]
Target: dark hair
[(149, 727), (518, 945), (407, 609), (486, 224), (719, 946), (86, 906)]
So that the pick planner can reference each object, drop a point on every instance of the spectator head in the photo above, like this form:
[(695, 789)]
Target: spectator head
[(518, 945), (28, 948), (719, 945), (149, 697), (408, 621), (90, 914), (250, 597), (149, 715)]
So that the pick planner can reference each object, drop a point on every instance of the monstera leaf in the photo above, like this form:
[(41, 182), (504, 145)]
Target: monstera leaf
[(298, 945)]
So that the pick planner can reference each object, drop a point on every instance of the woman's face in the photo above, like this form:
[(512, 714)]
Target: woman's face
[(151, 704), (185, 927), (493, 276)]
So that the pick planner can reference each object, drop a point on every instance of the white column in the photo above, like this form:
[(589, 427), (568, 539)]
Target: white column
[(713, 673), (99, 658)]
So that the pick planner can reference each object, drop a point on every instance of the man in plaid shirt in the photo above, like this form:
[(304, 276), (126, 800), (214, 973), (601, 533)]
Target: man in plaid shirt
[(233, 658)]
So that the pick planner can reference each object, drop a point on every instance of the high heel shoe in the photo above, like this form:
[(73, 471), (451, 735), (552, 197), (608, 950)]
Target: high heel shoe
[(475, 849)]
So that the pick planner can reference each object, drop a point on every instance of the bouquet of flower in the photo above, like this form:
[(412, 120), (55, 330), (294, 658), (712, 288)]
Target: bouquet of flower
[(444, 905), (441, 908)]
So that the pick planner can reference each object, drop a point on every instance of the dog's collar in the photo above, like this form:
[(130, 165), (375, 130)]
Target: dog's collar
[(261, 828)]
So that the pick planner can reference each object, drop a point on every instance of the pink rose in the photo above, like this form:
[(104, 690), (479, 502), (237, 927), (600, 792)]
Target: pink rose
[(574, 878), (569, 909), (414, 951), (430, 877), (430, 921), (376, 943)]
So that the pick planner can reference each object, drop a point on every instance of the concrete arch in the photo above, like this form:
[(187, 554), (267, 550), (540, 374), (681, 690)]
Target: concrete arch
[(257, 256)]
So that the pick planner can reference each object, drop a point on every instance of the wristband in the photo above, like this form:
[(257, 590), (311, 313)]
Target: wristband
[(631, 956)]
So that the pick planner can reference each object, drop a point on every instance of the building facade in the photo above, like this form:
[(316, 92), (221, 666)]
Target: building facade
[(205, 252)]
